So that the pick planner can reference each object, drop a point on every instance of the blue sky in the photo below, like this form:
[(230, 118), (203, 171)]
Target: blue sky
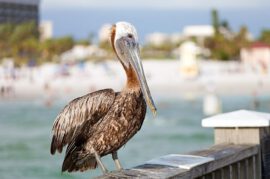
[(156, 4), (81, 17)]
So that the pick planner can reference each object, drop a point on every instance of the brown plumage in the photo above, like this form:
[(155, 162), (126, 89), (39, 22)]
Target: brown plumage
[(108, 134), (103, 121)]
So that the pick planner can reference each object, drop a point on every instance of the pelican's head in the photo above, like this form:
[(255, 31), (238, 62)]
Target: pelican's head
[(125, 43)]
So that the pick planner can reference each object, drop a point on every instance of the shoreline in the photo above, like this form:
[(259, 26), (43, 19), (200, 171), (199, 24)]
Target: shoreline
[(163, 77)]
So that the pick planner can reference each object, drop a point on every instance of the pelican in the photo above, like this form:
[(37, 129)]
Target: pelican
[(101, 122)]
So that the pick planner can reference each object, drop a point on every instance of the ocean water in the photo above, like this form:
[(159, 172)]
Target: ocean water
[(25, 133)]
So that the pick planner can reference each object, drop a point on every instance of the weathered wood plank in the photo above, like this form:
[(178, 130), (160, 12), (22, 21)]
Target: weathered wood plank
[(265, 152), (258, 166), (234, 171), (224, 155), (237, 136), (225, 173), (144, 172), (217, 174), (243, 169), (250, 168), (238, 170)]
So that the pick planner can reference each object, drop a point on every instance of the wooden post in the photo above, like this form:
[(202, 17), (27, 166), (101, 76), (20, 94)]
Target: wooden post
[(244, 127)]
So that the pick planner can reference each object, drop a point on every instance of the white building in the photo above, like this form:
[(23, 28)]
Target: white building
[(46, 30), (81, 52), (256, 57), (175, 38), (201, 31), (157, 38), (204, 31)]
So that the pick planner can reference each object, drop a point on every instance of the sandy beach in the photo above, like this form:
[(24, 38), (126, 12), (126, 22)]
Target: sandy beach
[(52, 81)]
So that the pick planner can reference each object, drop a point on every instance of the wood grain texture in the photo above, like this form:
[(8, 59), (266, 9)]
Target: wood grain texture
[(260, 136), (237, 136), (224, 155)]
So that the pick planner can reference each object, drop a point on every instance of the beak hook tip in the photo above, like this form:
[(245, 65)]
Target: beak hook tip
[(154, 112)]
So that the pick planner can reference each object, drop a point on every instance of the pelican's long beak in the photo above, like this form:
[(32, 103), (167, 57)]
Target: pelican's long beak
[(137, 65)]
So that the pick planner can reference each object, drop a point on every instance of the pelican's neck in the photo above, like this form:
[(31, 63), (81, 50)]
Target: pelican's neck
[(132, 80)]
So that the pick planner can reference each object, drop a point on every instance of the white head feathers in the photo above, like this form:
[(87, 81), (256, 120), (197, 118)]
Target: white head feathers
[(125, 28)]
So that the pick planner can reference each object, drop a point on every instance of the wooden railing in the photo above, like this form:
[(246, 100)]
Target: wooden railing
[(241, 151)]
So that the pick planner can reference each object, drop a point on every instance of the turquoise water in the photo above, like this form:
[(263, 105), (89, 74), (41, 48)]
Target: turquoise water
[(25, 133)]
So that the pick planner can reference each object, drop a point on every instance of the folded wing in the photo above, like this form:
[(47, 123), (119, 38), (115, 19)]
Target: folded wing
[(87, 109)]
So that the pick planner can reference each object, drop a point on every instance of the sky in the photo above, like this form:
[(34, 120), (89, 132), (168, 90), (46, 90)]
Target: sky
[(156, 4), (79, 18)]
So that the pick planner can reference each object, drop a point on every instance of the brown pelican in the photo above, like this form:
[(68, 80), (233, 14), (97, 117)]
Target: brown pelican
[(101, 122)]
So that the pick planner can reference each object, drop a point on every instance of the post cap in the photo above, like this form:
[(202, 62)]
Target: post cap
[(240, 118)]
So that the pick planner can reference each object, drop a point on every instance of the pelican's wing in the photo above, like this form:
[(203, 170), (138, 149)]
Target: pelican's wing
[(89, 108)]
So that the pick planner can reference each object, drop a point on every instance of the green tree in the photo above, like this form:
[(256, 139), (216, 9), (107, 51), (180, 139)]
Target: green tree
[(6, 31), (215, 20), (226, 48), (24, 42), (265, 36), (21, 42), (225, 24), (54, 47), (241, 38), (84, 42), (221, 48), (24, 31)]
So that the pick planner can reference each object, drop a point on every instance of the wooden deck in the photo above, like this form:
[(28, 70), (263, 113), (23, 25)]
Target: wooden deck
[(230, 161), (240, 152)]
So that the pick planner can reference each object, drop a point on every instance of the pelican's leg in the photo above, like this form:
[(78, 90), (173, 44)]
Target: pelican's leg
[(100, 164), (116, 161)]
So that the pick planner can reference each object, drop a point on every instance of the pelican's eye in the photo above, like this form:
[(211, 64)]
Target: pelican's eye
[(130, 36)]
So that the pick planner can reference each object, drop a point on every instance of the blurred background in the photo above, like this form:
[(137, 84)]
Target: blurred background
[(200, 59)]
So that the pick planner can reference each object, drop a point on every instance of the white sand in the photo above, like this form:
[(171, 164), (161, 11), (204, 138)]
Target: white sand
[(164, 77)]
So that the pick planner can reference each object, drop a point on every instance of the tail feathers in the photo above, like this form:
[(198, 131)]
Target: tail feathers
[(77, 161), (58, 142), (55, 145)]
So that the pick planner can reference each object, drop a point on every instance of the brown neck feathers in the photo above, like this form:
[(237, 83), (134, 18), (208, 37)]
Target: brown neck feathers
[(132, 79)]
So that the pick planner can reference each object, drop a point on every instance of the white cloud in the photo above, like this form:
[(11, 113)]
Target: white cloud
[(156, 4)]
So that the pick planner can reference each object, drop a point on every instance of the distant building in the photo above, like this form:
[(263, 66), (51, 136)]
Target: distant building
[(157, 38), (201, 31), (46, 30), (18, 11), (256, 57), (176, 38), (81, 52)]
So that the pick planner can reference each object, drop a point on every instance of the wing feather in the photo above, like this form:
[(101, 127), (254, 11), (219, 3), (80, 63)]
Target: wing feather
[(88, 108)]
